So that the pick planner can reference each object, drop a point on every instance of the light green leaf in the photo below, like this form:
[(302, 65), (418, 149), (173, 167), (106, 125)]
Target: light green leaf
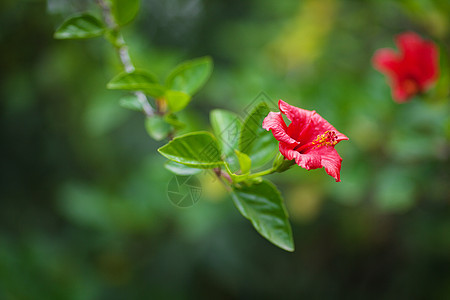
[(235, 177), (124, 11), (226, 126), (157, 127), (245, 162), (137, 80), (172, 119), (262, 204), (190, 76), (180, 169), (255, 141), (131, 102), (196, 149), (80, 26), (176, 100)]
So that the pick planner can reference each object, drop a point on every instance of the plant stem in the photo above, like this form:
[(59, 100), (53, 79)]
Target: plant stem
[(122, 50), (220, 174), (262, 173)]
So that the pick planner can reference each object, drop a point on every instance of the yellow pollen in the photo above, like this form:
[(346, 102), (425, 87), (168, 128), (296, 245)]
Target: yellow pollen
[(329, 138)]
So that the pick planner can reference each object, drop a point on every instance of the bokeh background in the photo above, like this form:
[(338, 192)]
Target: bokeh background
[(84, 212)]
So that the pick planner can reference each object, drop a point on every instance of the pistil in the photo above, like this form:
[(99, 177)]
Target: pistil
[(329, 138)]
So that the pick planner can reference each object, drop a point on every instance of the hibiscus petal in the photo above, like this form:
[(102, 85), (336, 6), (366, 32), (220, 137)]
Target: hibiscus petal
[(308, 161), (429, 64), (420, 61), (287, 151), (320, 126), (294, 114), (408, 43), (388, 62), (274, 121), (300, 119), (331, 161), (421, 56), (326, 157)]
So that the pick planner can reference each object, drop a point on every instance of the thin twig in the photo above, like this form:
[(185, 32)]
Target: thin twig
[(220, 174), (124, 55)]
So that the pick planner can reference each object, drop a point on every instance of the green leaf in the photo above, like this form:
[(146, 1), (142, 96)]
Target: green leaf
[(226, 126), (124, 11), (255, 141), (262, 204), (80, 26), (157, 127), (236, 178), (137, 80), (180, 169), (245, 162), (176, 100), (196, 149), (190, 76), (131, 102)]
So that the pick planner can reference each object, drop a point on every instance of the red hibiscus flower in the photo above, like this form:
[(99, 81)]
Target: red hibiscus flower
[(413, 70), (309, 138)]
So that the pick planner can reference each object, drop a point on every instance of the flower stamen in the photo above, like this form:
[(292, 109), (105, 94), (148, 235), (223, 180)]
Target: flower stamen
[(329, 138)]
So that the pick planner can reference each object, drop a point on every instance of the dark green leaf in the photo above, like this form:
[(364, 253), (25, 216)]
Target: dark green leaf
[(137, 81), (180, 169), (157, 127), (124, 11), (131, 102), (176, 100), (255, 141), (190, 76), (262, 204), (81, 26), (196, 149)]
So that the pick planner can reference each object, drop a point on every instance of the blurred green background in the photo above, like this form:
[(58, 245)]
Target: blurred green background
[(84, 212)]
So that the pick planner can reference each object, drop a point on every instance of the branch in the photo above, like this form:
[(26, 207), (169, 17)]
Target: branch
[(221, 174), (122, 50)]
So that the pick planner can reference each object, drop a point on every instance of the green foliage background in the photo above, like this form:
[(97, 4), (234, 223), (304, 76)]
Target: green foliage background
[(84, 212)]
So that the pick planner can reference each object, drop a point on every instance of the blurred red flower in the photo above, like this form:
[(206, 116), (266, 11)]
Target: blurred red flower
[(309, 138), (413, 70)]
